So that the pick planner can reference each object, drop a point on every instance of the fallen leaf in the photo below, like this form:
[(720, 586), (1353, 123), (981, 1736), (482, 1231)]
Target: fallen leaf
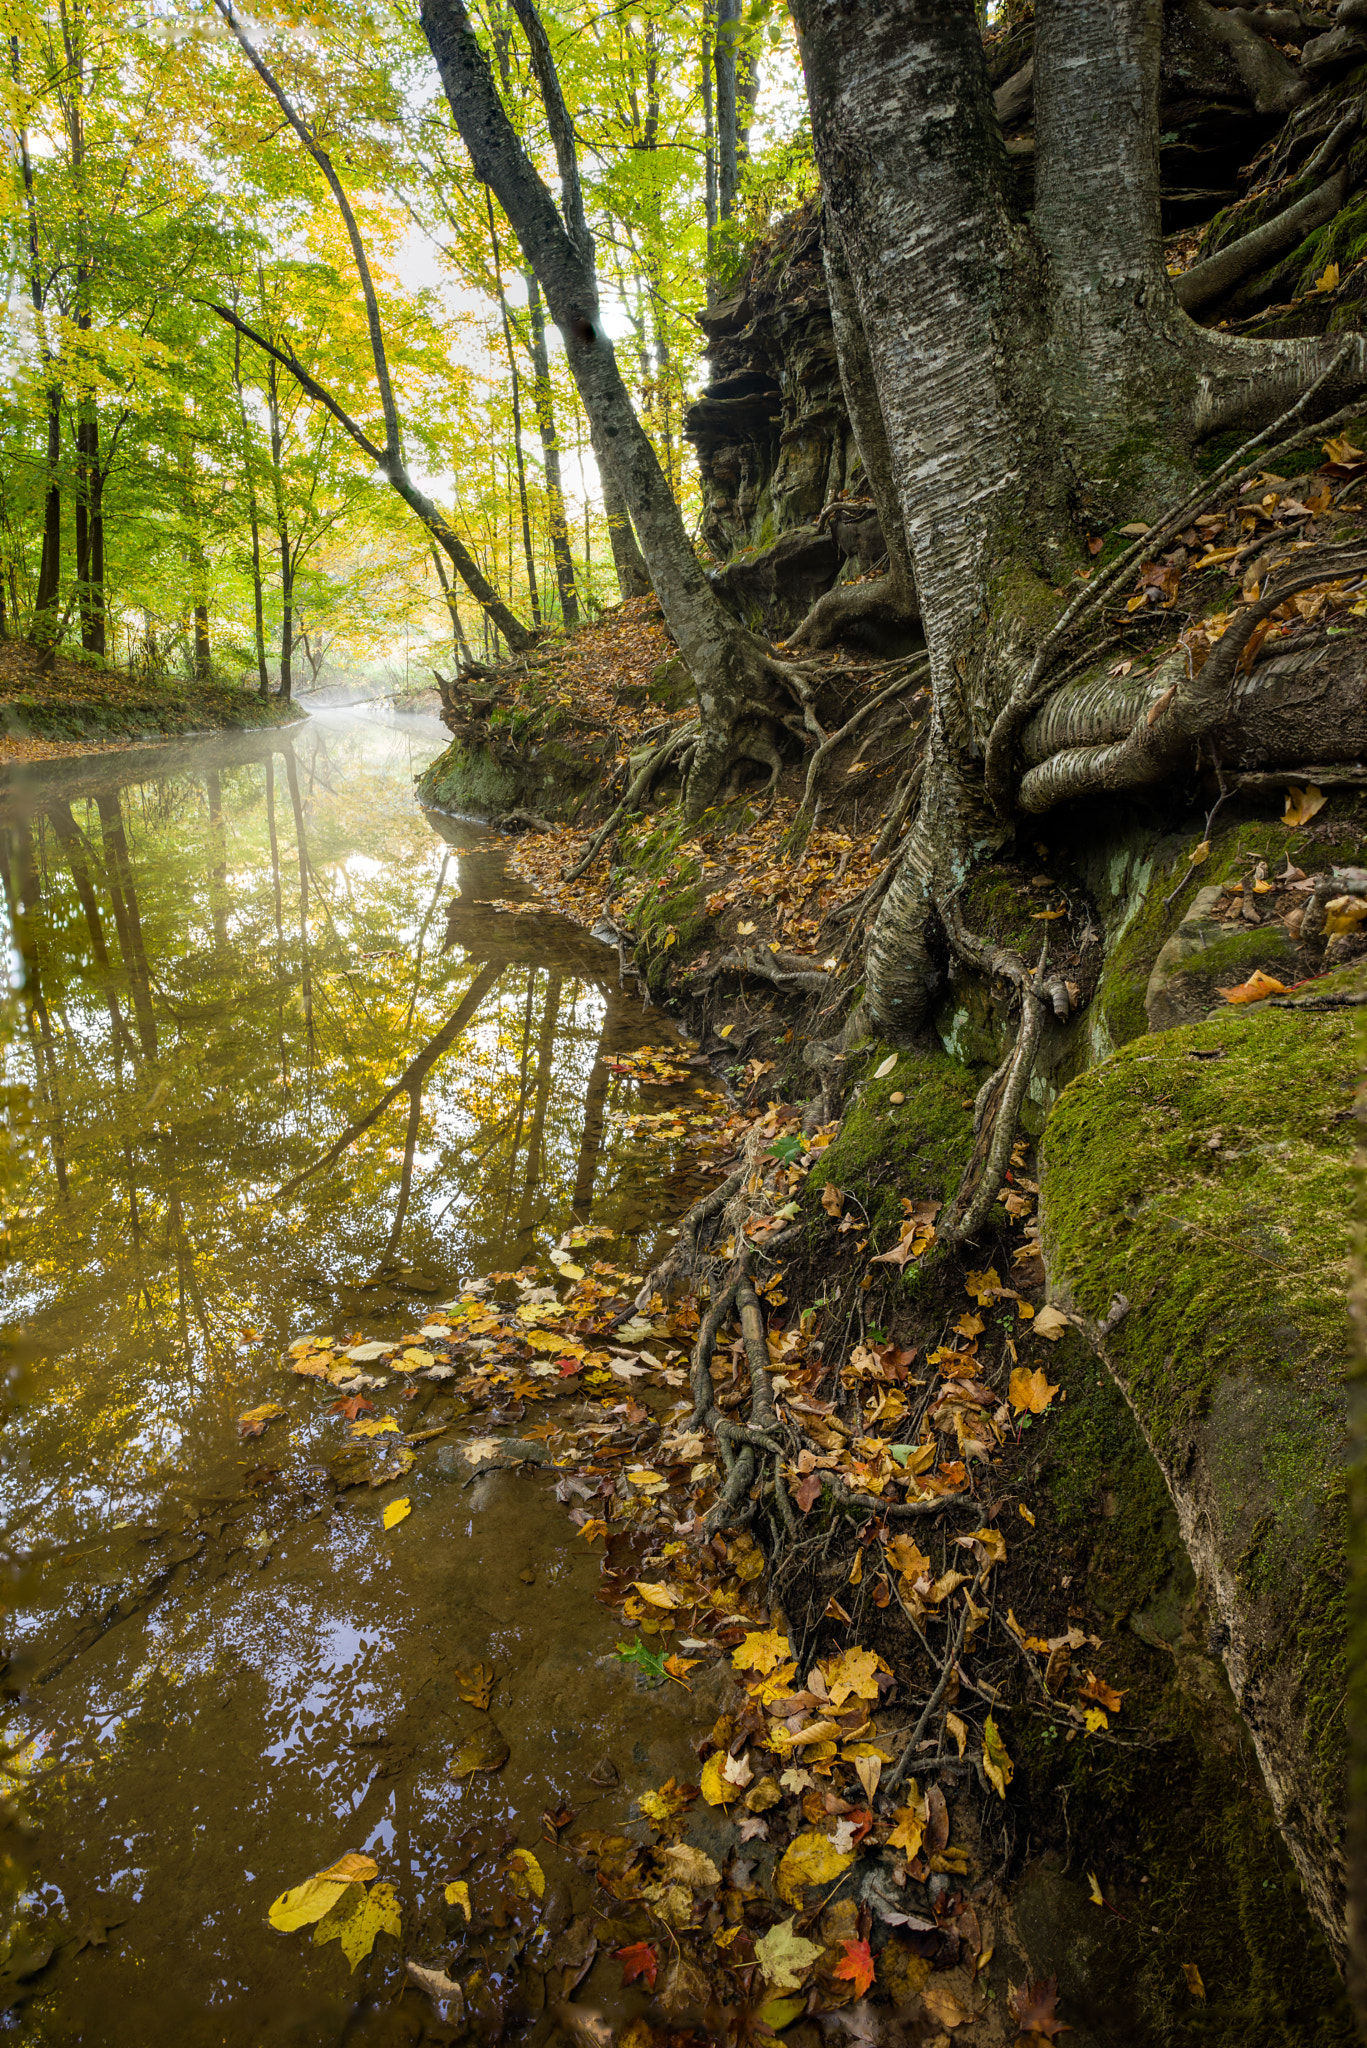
[(445, 1993), (1193, 1977), (984, 1287), (1344, 914), (1095, 1893), (1302, 804), (717, 1788), (762, 1650), (808, 1859), (317, 1895), (352, 1406), (1027, 1514), (475, 1689), (397, 1511), (959, 1730), (458, 1894), (1254, 989), (885, 1067), (942, 2005), (690, 1866), (856, 1966), (639, 1961), (484, 1750), (358, 1920), (1051, 1322), (253, 1423), (784, 1956), (832, 1201), (525, 1875), (869, 1769), (1030, 1392), (1034, 2008), (808, 1491), (997, 1765), (909, 1832), (1098, 1690), (655, 1595), (378, 1428)]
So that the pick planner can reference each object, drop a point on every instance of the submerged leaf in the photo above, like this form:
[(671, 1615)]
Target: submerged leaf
[(785, 1957), (358, 1921)]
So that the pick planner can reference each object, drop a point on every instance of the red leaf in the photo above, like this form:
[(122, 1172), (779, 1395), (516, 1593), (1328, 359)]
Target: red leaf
[(354, 1405), (808, 1490), (638, 1961), (857, 1965), (568, 1365)]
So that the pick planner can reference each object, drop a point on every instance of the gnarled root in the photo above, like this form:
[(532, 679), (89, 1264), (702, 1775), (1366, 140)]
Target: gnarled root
[(869, 614)]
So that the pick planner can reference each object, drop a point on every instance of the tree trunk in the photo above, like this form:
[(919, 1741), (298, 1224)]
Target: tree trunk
[(45, 621), (709, 136), (282, 532), (728, 37), (727, 665), (550, 451), (258, 597), (528, 557)]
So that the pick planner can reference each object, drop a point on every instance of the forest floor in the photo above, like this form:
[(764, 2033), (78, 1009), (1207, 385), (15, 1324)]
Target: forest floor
[(78, 708)]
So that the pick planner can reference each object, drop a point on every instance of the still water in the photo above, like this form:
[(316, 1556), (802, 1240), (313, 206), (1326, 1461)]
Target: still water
[(275, 1068)]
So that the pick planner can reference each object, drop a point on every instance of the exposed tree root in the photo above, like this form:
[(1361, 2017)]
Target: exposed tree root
[(635, 793)]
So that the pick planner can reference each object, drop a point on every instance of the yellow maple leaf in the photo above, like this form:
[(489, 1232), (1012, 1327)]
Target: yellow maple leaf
[(357, 1921), (809, 1859), (982, 1286), (1030, 1392), (374, 1425), (853, 1672), (909, 1832), (761, 1650), (318, 1894)]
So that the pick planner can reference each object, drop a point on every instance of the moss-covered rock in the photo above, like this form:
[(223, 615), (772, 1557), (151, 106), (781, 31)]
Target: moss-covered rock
[(916, 1148), (1204, 1174)]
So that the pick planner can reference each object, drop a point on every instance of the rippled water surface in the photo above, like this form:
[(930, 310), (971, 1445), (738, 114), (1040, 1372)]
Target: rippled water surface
[(275, 1068)]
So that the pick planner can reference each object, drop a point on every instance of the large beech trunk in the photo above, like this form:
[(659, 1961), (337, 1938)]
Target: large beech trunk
[(1034, 381)]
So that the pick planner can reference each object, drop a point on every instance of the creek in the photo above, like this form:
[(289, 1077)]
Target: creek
[(276, 1067)]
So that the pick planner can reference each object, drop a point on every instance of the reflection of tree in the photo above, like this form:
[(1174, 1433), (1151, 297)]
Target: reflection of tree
[(301, 848), (24, 891), (124, 897), (422, 939), (73, 846), (545, 1066), (591, 1137), (410, 1082), (218, 862)]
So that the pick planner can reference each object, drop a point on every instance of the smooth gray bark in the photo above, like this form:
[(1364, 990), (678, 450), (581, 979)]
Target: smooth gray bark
[(721, 657)]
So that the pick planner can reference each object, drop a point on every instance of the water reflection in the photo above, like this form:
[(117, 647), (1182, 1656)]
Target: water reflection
[(286, 1070)]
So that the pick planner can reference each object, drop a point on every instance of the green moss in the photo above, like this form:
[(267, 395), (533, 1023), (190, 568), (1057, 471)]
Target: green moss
[(994, 908), (917, 1148), (468, 780), (1140, 1204), (1228, 959)]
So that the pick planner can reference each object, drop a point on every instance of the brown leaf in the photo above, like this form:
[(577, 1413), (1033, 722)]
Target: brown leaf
[(937, 1820), (808, 1491), (1034, 2008), (832, 1201), (1104, 1695), (354, 1405), (1160, 704)]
